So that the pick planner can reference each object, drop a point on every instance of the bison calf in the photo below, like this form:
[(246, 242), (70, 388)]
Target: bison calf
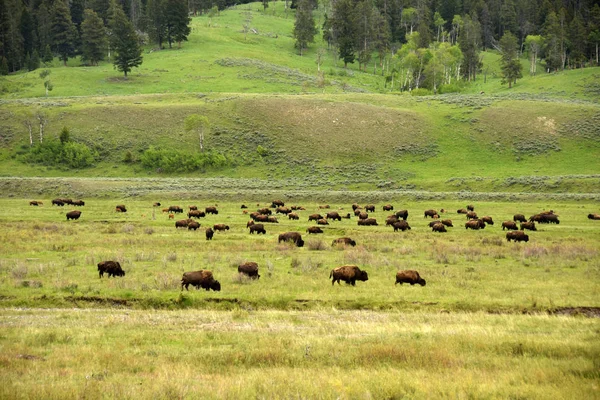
[(209, 233)]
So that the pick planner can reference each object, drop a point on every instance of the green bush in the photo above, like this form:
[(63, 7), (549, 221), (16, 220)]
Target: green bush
[(421, 92), (452, 88), (174, 161), (69, 154)]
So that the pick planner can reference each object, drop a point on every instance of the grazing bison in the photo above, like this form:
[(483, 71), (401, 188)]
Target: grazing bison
[(209, 233), (510, 225), (334, 215), (357, 212), (519, 218), (157, 204), (250, 269), (439, 227), (432, 223), (259, 217), (196, 214), (475, 224), (409, 276), (355, 206), (370, 208), (462, 211), (550, 219), (448, 223), (470, 207), (349, 274), (200, 279), (402, 214), (243, 206), (294, 216), (193, 225), (39, 203), (291, 237), (315, 217), (73, 215), (67, 201), (283, 210), (277, 203), (176, 209), (367, 222), (363, 215), (314, 230), (391, 220), (79, 203), (193, 208), (347, 216), (401, 225), (258, 228), (345, 241), (472, 215), (220, 227), (530, 225), (324, 206), (594, 216), (112, 268), (430, 213), (517, 236), (182, 223), (388, 207), (211, 210), (488, 220), (120, 208), (272, 220), (264, 211), (58, 202), (322, 222), (299, 208)]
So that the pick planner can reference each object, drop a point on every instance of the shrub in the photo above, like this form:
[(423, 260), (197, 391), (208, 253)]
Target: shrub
[(66, 154), (421, 92), (175, 161)]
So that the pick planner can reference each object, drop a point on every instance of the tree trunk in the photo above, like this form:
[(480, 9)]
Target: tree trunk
[(201, 138)]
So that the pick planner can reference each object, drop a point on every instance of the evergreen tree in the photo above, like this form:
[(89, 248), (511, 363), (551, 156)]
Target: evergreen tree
[(510, 64), (157, 26), (4, 66), (365, 33), (93, 38), (304, 26), (34, 62), (553, 42), (43, 20), (470, 45), (63, 31), (344, 28), (177, 21), (124, 41), (27, 31), (577, 41), (48, 56)]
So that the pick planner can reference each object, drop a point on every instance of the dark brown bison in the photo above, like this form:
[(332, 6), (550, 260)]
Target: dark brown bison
[(299, 208), (243, 206), (192, 208), (291, 237), (472, 215), (250, 269), (402, 214), (519, 218), (347, 216), (324, 206), (462, 211), (367, 222), (594, 216), (39, 203), (475, 224), (344, 240), (175, 210), (323, 222), (251, 222), (78, 203), (315, 217), (73, 215), (277, 203), (157, 204), (260, 218), (264, 211), (370, 208), (355, 206), (209, 233), (283, 210), (388, 207), (363, 215), (470, 207), (430, 213), (193, 225), (58, 202), (432, 223), (488, 220), (517, 236), (550, 219), (272, 220), (67, 201), (196, 214), (220, 227), (439, 227), (401, 225), (349, 274), (333, 215), (182, 223), (120, 208), (409, 276), (112, 268), (510, 225), (530, 225), (391, 220), (448, 223), (314, 230), (357, 212), (211, 210), (200, 279), (294, 216), (258, 228)]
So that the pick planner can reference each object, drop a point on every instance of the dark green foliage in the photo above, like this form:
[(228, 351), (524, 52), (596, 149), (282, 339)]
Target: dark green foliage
[(27, 31), (48, 56), (56, 154), (34, 61), (156, 21), (93, 38), (163, 160), (63, 31), (65, 135), (304, 27), (344, 26), (124, 41), (3, 66), (510, 63), (177, 21)]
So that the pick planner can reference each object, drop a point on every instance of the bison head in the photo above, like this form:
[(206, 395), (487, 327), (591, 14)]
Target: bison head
[(300, 243), (362, 276), (422, 282), (216, 286)]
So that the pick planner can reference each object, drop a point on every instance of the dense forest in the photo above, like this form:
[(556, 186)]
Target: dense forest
[(414, 43)]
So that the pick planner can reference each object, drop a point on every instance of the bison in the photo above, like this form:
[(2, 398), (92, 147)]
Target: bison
[(334, 215), (349, 274), (176, 209), (550, 219), (211, 210), (258, 228), (293, 216), (401, 225), (391, 220), (196, 214), (472, 215), (594, 216), (324, 206), (488, 220), (277, 203), (291, 237), (363, 215), (470, 207), (58, 202), (193, 208), (315, 217), (39, 203), (120, 208), (314, 230), (220, 227), (475, 224), (157, 204), (73, 215), (370, 208), (259, 217), (182, 223), (448, 223), (193, 225), (517, 236), (243, 206), (355, 206), (200, 279), (250, 269), (430, 213), (264, 211), (439, 227), (462, 211), (388, 207), (519, 218), (322, 222), (209, 233), (409, 276), (79, 203), (367, 222), (402, 214), (510, 225), (345, 241), (283, 210), (272, 220), (112, 268), (530, 225)]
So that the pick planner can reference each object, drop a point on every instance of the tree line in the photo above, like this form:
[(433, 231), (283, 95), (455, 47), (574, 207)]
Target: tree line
[(428, 43), (35, 31)]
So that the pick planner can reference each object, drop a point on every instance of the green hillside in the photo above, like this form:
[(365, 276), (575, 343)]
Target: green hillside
[(273, 117)]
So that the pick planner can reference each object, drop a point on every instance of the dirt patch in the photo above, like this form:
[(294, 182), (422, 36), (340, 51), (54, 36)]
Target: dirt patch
[(590, 312)]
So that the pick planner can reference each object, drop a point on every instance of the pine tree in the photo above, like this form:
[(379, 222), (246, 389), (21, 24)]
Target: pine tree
[(177, 21), (577, 41), (510, 63), (304, 26), (124, 41), (93, 38), (552, 40), (48, 56), (156, 21), (63, 31), (34, 62), (470, 45), (4, 66), (344, 28)]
